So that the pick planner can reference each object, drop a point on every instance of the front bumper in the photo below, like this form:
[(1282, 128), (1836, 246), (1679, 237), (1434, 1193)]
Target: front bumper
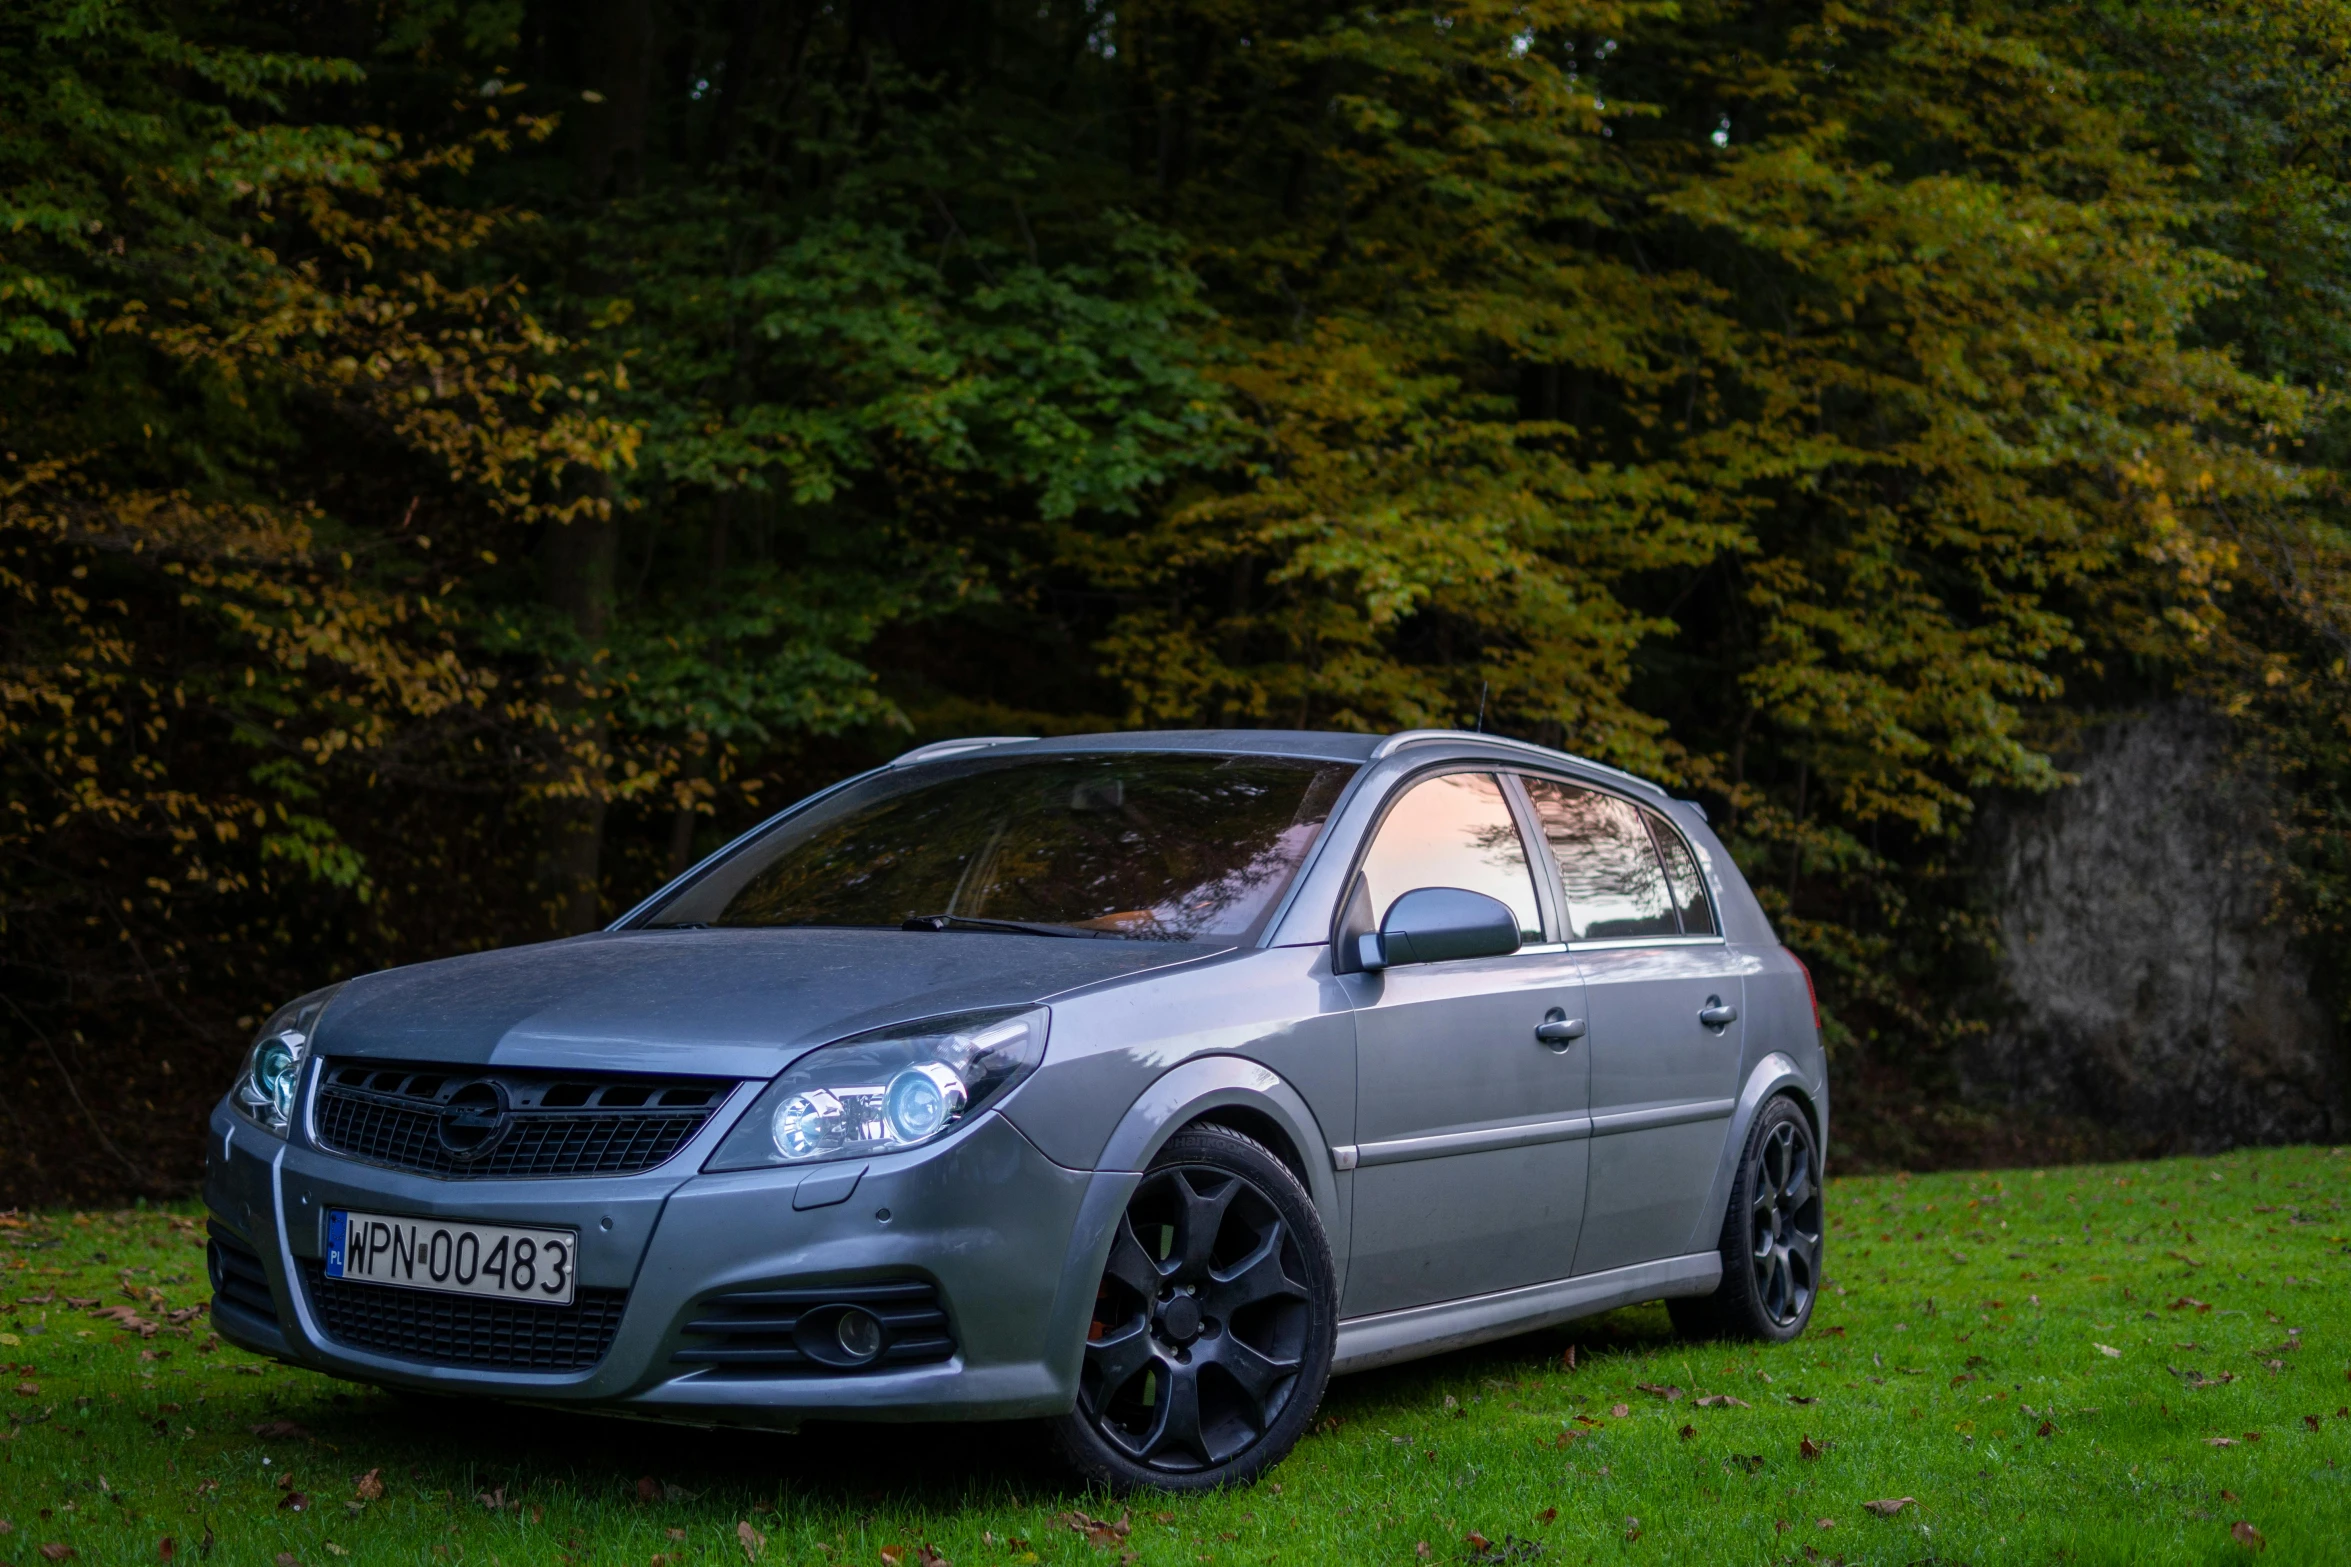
[(1012, 1243)]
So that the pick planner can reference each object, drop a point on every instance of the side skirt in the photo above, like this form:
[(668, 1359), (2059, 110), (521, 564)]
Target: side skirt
[(1392, 1336)]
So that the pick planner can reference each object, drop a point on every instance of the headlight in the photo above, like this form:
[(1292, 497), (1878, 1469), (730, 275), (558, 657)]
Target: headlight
[(264, 1090), (891, 1089)]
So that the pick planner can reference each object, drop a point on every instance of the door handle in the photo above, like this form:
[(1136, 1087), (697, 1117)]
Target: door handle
[(1558, 1030), (1716, 1015)]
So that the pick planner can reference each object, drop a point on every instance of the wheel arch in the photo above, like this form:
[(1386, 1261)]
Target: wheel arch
[(1230, 1091), (1245, 1096), (1774, 1075)]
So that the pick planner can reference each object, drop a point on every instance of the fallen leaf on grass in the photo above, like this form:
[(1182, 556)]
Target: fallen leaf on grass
[(1632, 1528), (1547, 1515), (1421, 1550), (1809, 1448), (335, 1550), (294, 1502), (1889, 1506), (1726, 1401), (1669, 1394), (674, 1534), (2189, 1303), (369, 1487), (2247, 1536), (1825, 1523), (2311, 1421), (1567, 1361), (28, 1390), (1620, 1410), (1793, 1399), (56, 1551), (166, 1548), (2046, 1429), (924, 1556), (1476, 1541), (2108, 1350), (273, 1430), (1101, 1535), (2220, 1441), (893, 1555), (1688, 1432)]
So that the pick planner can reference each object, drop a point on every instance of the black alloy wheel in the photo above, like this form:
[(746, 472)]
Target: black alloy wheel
[(1213, 1325), (1771, 1237)]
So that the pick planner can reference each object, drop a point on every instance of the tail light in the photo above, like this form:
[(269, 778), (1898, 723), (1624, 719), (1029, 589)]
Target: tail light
[(1810, 994)]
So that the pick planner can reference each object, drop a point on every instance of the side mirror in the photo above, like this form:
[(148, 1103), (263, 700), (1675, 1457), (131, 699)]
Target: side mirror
[(1435, 924)]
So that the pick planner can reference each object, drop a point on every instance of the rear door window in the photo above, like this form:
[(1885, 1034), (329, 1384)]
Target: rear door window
[(1454, 830), (1608, 865), (1683, 878)]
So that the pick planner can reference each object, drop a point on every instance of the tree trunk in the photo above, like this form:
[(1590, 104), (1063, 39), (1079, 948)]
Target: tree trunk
[(578, 559), (576, 564)]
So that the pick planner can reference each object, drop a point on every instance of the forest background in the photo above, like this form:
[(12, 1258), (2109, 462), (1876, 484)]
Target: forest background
[(460, 460)]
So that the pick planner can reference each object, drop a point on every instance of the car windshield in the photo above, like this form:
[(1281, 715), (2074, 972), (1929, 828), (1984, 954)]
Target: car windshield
[(1153, 846)]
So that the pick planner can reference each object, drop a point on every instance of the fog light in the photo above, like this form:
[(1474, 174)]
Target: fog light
[(859, 1335)]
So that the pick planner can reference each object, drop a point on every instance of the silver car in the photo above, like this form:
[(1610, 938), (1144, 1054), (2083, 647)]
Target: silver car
[(1135, 1082)]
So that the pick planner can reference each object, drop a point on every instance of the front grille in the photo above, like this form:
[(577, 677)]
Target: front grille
[(790, 1332), (237, 1279), (460, 1330), (555, 1123)]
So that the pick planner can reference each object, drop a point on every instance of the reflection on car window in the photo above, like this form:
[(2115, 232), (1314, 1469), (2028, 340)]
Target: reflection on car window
[(1162, 846), (1453, 831), (1681, 874), (1614, 882)]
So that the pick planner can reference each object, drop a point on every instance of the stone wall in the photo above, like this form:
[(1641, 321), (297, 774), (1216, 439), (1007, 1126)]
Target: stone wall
[(2147, 981)]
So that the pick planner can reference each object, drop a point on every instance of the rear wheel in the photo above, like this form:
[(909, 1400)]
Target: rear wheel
[(1213, 1325), (1771, 1237)]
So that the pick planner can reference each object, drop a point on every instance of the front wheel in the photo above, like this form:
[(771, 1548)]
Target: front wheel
[(1213, 1325), (1771, 1237)]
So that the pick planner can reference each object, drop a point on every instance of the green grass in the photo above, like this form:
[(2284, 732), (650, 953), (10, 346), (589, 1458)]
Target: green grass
[(1968, 1313)]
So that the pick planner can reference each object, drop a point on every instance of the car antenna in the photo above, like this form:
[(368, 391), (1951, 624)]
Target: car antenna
[(1481, 729)]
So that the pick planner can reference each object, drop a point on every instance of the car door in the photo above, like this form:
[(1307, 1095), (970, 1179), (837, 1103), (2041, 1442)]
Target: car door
[(1470, 1168), (1664, 994)]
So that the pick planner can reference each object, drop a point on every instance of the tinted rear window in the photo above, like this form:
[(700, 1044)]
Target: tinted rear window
[(1608, 866), (1160, 846), (1683, 877)]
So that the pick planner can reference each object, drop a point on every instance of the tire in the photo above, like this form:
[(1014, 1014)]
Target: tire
[(1213, 1325), (1772, 1237)]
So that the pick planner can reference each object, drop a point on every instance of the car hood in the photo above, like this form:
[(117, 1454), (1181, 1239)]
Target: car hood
[(737, 1003)]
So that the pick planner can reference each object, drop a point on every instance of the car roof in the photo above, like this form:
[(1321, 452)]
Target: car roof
[(1305, 744)]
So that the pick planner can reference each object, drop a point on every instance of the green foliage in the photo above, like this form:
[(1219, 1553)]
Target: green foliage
[(466, 458)]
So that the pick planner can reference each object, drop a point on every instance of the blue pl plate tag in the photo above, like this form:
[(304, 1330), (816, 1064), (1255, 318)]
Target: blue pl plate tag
[(337, 1221)]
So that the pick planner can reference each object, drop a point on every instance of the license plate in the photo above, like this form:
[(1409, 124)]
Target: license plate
[(497, 1260)]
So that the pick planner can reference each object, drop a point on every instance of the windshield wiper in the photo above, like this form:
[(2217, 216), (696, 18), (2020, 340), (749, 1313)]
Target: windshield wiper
[(1014, 927)]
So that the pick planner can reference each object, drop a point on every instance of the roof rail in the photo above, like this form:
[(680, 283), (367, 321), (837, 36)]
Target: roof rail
[(938, 749), (1409, 737)]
